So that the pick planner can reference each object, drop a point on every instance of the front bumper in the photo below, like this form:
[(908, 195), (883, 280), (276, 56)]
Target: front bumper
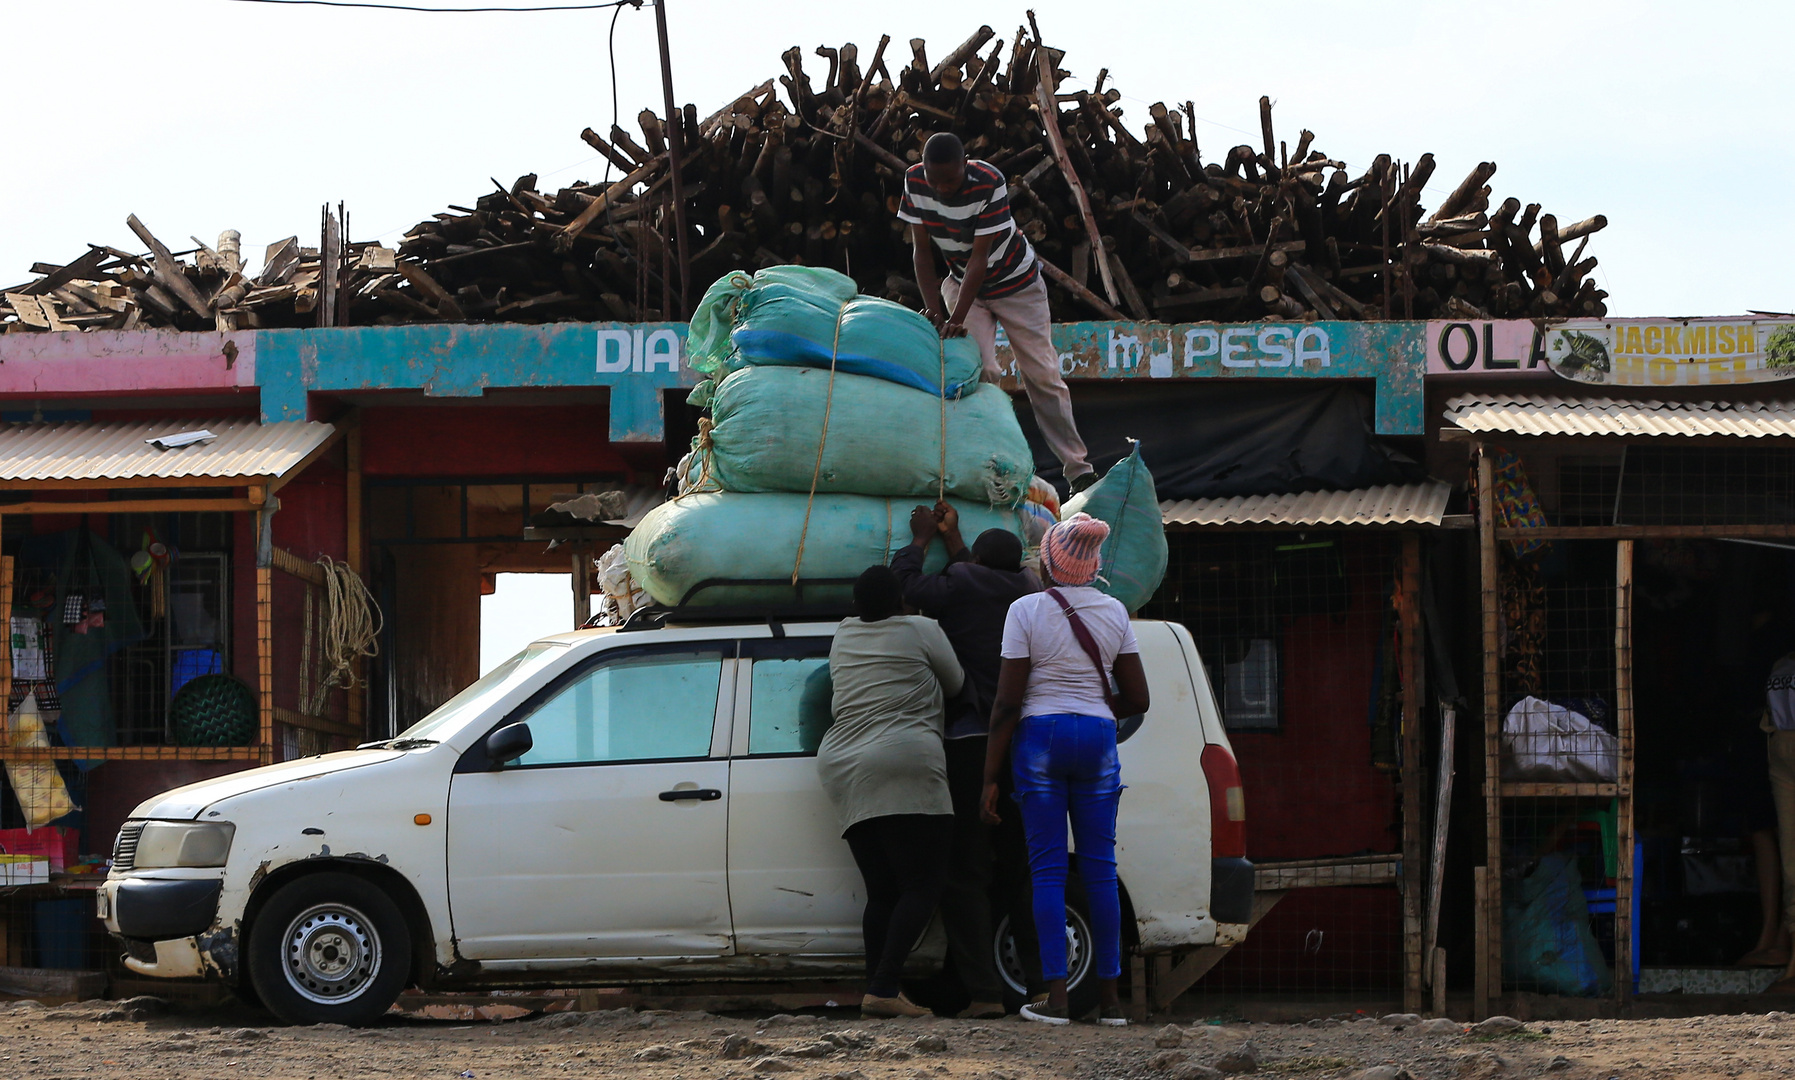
[(160, 921), (174, 958)]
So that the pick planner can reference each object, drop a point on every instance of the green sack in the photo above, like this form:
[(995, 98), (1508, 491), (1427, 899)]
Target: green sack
[(806, 316), (755, 537), (883, 439), (1134, 556)]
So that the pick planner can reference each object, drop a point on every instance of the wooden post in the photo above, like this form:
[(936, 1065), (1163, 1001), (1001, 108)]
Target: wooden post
[(1408, 616), (6, 651), (1480, 987), (1436, 868), (1623, 818), (582, 583), (1437, 968), (352, 511), (1489, 954), (265, 633)]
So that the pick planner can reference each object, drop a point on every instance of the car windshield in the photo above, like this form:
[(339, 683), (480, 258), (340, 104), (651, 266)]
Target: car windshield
[(483, 691)]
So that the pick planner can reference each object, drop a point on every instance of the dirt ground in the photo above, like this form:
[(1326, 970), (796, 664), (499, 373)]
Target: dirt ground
[(140, 1038)]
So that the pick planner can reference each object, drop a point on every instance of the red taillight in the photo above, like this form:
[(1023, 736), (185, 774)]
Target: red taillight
[(1227, 804)]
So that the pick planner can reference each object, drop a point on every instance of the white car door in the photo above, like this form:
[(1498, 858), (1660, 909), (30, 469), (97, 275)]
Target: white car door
[(793, 885), (607, 839)]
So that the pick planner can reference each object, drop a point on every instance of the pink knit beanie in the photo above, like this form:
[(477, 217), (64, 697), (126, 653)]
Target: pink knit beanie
[(1069, 550)]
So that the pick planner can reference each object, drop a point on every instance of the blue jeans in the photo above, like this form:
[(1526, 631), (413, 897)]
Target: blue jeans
[(1065, 765)]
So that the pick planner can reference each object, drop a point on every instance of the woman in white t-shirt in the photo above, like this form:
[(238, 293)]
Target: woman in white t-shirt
[(1061, 649)]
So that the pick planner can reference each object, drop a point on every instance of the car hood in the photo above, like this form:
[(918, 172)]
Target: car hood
[(186, 803)]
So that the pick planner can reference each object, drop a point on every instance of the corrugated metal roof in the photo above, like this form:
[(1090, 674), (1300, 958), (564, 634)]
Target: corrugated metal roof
[(1531, 414), (1392, 504), (105, 450)]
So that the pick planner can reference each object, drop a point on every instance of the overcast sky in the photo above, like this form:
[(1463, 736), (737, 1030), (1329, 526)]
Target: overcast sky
[(202, 115)]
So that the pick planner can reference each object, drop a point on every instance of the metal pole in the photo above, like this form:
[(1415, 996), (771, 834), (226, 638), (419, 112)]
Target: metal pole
[(676, 131)]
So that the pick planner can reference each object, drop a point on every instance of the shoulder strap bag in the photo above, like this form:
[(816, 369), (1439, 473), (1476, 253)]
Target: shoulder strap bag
[(1089, 644)]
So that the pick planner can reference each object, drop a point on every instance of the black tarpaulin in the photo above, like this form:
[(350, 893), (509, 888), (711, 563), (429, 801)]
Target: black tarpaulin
[(1216, 440)]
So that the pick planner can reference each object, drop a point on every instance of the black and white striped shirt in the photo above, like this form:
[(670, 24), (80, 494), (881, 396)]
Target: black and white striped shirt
[(980, 208)]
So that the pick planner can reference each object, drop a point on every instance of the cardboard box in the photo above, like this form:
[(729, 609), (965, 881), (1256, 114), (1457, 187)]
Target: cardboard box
[(24, 870)]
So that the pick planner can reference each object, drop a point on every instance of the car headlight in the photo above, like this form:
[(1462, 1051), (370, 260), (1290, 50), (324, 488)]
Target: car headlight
[(184, 843)]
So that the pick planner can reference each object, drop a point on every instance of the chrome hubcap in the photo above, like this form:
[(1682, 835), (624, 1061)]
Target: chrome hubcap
[(332, 953)]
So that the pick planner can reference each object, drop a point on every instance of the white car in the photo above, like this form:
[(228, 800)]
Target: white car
[(608, 807)]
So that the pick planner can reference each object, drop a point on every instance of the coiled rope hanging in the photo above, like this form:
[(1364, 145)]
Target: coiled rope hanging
[(352, 625)]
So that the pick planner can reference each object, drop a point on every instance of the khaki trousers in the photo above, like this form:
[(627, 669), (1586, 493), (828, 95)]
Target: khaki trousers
[(1782, 786), (1029, 327)]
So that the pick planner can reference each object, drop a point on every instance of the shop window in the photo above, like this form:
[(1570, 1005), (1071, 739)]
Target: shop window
[(1251, 689)]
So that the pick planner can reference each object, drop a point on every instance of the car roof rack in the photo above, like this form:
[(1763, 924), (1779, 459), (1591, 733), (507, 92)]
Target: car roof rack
[(686, 613)]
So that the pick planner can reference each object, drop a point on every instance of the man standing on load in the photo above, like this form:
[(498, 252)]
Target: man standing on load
[(963, 207)]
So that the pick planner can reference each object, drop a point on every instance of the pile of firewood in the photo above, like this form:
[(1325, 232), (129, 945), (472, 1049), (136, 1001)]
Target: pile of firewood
[(1130, 222)]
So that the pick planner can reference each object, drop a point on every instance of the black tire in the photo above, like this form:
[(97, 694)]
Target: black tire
[(1081, 966), (329, 948)]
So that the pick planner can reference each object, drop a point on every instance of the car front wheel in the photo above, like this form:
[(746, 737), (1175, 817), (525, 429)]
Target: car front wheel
[(329, 948)]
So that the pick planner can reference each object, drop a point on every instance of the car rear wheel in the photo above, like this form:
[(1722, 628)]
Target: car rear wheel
[(329, 948), (1081, 983)]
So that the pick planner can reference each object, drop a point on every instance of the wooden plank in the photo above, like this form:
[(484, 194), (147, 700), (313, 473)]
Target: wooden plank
[(1050, 122), (130, 506), (1343, 860), (168, 271), (1529, 789), (1254, 251), (287, 562), (82, 268), (29, 311), (324, 724), (1648, 532), (572, 230), (1078, 290), (1414, 865), (1436, 863), (1327, 877), (1489, 953), (1175, 979), (1623, 716), (1480, 986)]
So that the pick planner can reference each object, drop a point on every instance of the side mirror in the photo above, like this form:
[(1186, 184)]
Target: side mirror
[(509, 743)]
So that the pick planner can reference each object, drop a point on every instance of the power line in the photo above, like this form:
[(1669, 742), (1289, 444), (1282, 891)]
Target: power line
[(448, 10)]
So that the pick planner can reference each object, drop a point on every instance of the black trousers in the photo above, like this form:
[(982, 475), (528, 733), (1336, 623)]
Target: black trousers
[(984, 854), (904, 860)]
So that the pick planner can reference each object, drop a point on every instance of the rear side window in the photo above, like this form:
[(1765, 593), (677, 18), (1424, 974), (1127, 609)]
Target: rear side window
[(789, 699), (634, 707)]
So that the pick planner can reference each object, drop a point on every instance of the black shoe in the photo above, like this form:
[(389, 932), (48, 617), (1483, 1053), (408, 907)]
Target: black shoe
[(1083, 481)]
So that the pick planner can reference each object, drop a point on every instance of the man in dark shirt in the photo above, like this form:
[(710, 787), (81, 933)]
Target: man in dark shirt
[(963, 208), (970, 598)]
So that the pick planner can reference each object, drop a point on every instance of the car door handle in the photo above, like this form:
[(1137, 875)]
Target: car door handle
[(703, 794)]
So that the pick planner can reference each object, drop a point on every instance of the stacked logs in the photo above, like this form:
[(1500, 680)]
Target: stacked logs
[(1131, 222)]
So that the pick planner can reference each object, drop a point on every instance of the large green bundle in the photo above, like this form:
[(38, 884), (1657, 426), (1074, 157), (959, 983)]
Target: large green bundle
[(807, 316), (1134, 556), (756, 538), (883, 439)]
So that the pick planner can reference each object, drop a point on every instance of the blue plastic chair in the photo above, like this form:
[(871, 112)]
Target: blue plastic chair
[(1602, 902)]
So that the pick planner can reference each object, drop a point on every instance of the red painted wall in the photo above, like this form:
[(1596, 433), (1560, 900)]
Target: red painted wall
[(1312, 792), (500, 440)]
